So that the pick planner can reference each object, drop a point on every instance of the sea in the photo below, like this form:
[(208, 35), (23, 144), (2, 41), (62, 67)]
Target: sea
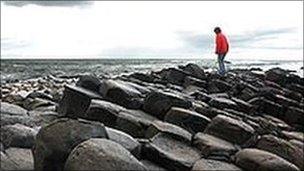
[(14, 70)]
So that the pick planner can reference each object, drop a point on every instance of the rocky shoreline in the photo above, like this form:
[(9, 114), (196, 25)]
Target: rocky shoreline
[(175, 119)]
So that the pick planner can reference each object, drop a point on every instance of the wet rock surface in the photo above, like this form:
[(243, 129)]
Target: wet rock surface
[(175, 119)]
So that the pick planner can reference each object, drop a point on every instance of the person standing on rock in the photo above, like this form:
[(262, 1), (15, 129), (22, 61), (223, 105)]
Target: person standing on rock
[(222, 47)]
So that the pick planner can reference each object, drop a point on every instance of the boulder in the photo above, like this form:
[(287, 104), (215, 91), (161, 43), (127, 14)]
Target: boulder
[(189, 120), (171, 153), (174, 76), (18, 135), (102, 154), (222, 103), (89, 82), (123, 93), (165, 127), (41, 95), (125, 140), (75, 101), (232, 130), (11, 109), (134, 122), (14, 119), (159, 103), (17, 159), (282, 148), (243, 106), (103, 111), (211, 146), (254, 159), (55, 141), (208, 164), (194, 70), (266, 106)]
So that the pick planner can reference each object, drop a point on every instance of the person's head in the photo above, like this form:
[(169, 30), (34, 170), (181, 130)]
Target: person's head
[(217, 30)]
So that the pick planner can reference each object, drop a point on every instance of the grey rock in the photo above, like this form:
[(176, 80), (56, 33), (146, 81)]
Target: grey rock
[(159, 103), (160, 126), (282, 148), (55, 141), (189, 120), (17, 159), (171, 153), (232, 130), (208, 164), (76, 101), (212, 146), (103, 154), (254, 159), (18, 136), (11, 109), (125, 140), (89, 82), (152, 166)]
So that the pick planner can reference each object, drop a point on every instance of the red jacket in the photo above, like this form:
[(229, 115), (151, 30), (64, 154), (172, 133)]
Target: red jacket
[(222, 45)]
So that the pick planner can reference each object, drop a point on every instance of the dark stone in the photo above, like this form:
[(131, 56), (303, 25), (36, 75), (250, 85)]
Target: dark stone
[(175, 76), (41, 95), (76, 101), (222, 103), (159, 103), (215, 165), (266, 106), (159, 126), (125, 140), (18, 136), (171, 153), (55, 141), (282, 148), (189, 120), (254, 159), (103, 111), (102, 154), (211, 146), (232, 130), (89, 82), (150, 78), (134, 122), (123, 93), (243, 106), (194, 70)]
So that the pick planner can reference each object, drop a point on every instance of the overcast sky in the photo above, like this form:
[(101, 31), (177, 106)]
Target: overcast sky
[(256, 30)]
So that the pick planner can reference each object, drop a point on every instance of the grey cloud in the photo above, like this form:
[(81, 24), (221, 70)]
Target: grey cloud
[(199, 41), (68, 3), (8, 44)]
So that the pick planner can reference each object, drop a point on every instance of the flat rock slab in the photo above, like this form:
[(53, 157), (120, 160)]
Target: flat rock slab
[(103, 111), (134, 122), (232, 130), (75, 101), (254, 159), (17, 159), (282, 148), (189, 120), (171, 153), (222, 103), (18, 136), (212, 146), (125, 140), (123, 93), (160, 126), (159, 103), (207, 164), (55, 141), (89, 82), (102, 154), (152, 166)]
